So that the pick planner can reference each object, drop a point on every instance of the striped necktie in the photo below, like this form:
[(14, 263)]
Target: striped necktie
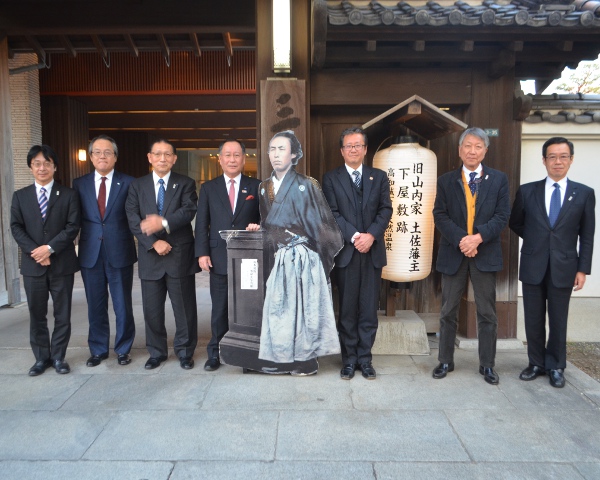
[(356, 174), (43, 201)]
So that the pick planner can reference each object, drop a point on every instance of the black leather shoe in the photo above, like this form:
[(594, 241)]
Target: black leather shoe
[(347, 372), (489, 375), (39, 367), (187, 363), (154, 362), (61, 366), (442, 370), (96, 360), (123, 359), (531, 373), (557, 379), (212, 364), (367, 370)]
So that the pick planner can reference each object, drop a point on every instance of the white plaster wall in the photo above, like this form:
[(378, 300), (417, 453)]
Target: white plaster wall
[(585, 169)]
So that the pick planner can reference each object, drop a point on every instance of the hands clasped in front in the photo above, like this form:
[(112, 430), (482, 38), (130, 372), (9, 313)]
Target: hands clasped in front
[(152, 224), (468, 245)]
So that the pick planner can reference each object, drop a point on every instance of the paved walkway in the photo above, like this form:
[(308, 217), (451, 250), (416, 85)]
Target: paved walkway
[(114, 422)]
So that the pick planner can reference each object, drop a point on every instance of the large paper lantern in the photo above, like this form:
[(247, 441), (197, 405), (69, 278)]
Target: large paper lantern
[(412, 172)]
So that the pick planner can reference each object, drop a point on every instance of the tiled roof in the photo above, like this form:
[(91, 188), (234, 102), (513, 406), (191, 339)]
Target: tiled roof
[(530, 13), (574, 108)]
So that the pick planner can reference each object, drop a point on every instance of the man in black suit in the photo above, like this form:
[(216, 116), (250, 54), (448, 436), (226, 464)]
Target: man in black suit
[(106, 252), (359, 197), (160, 208), (471, 209), (45, 221), (551, 216), (228, 202)]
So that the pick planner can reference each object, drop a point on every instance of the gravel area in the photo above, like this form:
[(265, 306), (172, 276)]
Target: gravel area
[(586, 357)]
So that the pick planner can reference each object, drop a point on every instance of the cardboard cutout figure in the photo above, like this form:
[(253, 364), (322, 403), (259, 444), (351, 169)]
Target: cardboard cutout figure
[(302, 238)]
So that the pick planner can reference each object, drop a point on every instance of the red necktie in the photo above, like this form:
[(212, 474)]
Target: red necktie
[(102, 198), (232, 194)]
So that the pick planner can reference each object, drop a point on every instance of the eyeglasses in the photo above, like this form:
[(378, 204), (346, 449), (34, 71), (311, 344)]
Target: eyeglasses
[(229, 156), (38, 165), (167, 155), (105, 153), (357, 147), (562, 158)]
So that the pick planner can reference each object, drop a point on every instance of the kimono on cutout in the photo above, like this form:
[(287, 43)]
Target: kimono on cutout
[(298, 322)]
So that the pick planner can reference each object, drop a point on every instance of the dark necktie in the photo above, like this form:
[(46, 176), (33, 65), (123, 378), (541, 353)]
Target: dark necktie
[(232, 194), (554, 205), (356, 174), (102, 198), (160, 201), (472, 184), (43, 201)]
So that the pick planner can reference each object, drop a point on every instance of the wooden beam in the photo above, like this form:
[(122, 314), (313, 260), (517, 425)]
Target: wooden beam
[(195, 44), (418, 46), (565, 46), (100, 47), (131, 44), (68, 46), (164, 48), (516, 46), (228, 45), (522, 106), (502, 65), (371, 45), (319, 33), (37, 48), (467, 45)]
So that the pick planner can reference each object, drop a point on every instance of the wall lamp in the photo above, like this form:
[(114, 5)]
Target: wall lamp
[(282, 25), (82, 155)]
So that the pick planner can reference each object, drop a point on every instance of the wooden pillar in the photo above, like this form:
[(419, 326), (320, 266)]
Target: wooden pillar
[(267, 104), (65, 127), (9, 270), (492, 108)]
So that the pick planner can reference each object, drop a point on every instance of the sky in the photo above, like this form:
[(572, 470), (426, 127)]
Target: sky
[(528, 86)]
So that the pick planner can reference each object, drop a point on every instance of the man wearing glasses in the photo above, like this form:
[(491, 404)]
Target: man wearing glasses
[(106, 252), (228, 202), (44, 219), (471, 209), (552, 216), (160, 208), (359, 197)]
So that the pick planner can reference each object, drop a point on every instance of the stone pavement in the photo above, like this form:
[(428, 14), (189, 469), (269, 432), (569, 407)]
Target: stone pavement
[(114, 422)]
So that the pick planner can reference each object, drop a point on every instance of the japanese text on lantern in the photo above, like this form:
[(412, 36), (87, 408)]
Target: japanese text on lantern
[(406, 186)]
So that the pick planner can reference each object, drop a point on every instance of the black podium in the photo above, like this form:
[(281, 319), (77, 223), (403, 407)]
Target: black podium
[(248, 267)]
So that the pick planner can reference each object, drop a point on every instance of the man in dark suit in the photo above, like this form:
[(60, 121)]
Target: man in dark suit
[(160, 208), (45, 219), (551, 216), (228, 202), (471, 209), (359, 197), (106, 252)]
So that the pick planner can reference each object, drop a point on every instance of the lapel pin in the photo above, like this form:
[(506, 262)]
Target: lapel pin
[(487, 176), (118, 183), (301, 188), (58, 192), (174, 185), (370, 178), (244, 191), (570, 198)]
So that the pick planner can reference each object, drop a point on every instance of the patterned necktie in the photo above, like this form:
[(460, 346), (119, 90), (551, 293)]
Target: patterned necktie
[(356, 174), (554, 205), (43, 201), (472, 184), (232, 194), (160, 201), (102, 198)]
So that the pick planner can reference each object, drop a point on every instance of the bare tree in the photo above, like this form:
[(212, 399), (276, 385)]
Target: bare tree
[(584, 79)]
